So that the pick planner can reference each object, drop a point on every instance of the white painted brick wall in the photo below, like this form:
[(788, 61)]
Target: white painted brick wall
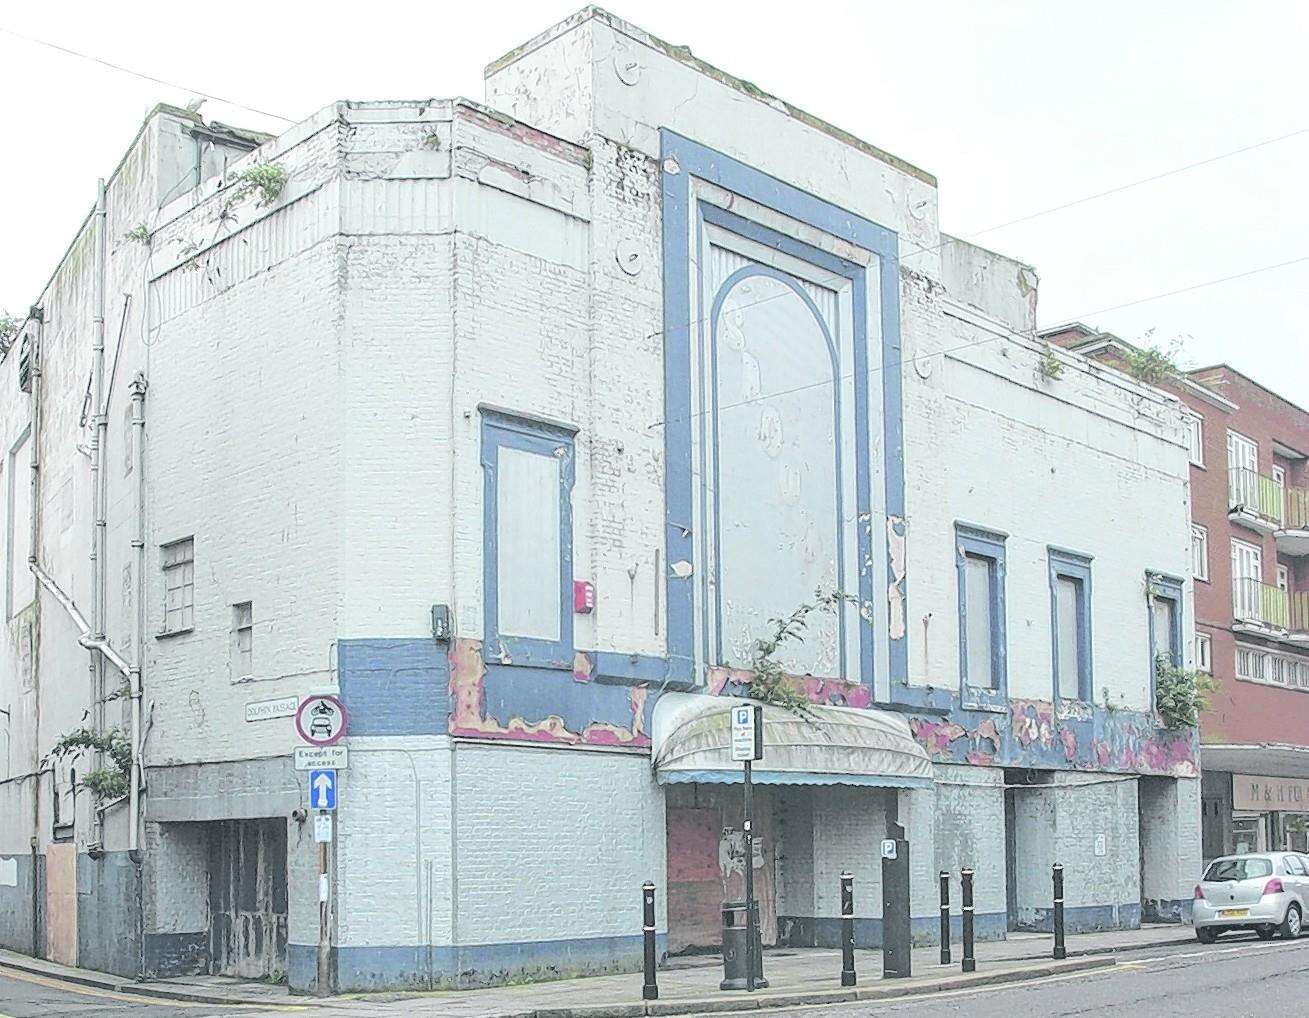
[(969, 833), (555, 844)]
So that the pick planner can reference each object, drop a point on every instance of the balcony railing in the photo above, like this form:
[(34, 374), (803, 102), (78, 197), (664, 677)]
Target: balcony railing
[(1300, 612), (1254, 493), (1297, 509), (1260, 603)]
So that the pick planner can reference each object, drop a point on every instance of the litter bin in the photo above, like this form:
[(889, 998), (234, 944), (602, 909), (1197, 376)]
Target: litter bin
[(734, 952)]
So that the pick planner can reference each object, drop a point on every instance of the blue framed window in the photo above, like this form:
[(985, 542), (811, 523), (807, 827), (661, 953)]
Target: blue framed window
[(1070, 624), (1164, 597), (980, 565), (527, 540)]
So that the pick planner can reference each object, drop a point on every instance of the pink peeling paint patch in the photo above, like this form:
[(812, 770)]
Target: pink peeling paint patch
[(1069, 739), (936, 736), (582, 668)]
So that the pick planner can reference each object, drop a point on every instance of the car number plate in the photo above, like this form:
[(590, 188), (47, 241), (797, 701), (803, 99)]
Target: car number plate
[(1234, 913)]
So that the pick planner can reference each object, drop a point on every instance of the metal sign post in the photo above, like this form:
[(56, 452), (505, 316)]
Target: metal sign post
[(748, 746), (321, 720)]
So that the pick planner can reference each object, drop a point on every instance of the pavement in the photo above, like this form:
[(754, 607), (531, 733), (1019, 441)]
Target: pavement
[(686, 985)]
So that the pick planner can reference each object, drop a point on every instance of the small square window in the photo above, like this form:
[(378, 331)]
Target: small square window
[(1204, 653), (243, 625), (179, 585)]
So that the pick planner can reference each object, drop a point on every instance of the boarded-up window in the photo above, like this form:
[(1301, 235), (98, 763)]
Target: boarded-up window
[(978, 579), (528, 537), (1068, 594)]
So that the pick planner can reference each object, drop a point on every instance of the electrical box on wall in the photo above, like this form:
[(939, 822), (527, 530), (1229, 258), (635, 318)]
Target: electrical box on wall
[(441, 623), (583, 597)]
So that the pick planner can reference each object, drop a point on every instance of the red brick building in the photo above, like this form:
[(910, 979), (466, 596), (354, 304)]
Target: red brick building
[(1250, 545)]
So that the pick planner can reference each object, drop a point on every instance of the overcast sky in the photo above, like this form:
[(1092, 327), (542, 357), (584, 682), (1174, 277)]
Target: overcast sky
[(1015, 105)]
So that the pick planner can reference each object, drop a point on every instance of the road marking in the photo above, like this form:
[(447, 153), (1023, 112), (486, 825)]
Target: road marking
[(142, 998), (928, 996)]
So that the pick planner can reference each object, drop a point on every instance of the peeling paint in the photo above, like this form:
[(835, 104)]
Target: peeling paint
[(1037, 736), (681, 569), (895, 544), (470, 717)]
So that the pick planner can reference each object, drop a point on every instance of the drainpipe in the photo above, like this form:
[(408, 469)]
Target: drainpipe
[(97, 474), (138, 651), (36, 336)]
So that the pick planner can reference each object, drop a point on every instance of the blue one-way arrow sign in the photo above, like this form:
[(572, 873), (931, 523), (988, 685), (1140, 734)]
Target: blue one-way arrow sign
[(322, 789)]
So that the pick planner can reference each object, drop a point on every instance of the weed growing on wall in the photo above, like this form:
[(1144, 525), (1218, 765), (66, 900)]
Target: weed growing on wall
[(265, 179), (105, 783), (1180, 694), (1153, 363), (8, 330), (770, 683), (1051, 366)]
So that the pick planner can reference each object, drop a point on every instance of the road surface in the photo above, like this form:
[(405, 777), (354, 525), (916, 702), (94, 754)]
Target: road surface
[(1231, 979)]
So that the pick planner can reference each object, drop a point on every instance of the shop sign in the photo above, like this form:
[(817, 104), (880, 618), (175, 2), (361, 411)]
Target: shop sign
[(1270, 795)]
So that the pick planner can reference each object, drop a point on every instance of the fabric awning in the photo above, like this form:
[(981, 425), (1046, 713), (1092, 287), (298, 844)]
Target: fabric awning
[(831, 746)]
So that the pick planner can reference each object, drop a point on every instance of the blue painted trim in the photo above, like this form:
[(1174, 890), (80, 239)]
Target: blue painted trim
[(1071, 565), (500, 430), (973, 542), (924, 931), (688, 158), (396, 686), (1083, 918), (361, 968), (1160, 587), (758, 777)]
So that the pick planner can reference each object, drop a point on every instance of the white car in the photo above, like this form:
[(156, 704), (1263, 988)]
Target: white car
[(1266, 892)]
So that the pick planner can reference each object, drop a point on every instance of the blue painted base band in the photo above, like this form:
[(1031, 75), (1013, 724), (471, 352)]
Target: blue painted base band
[(1165, 910), (1083, 918), (360, 969), (825, 931)]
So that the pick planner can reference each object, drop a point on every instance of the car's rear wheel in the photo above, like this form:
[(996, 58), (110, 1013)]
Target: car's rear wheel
[(1290, 928), (1266, 932), (1206, 935)]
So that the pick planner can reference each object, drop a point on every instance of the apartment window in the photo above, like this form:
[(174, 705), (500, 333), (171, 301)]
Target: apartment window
[(179, 585), (527, 539), (979, 561), (1247, 578), (1070, 617), (243, 628), (1195, 438), (1204, 653), (1199, 552), (1242, 471)]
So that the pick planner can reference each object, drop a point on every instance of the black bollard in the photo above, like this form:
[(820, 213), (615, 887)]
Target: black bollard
[(966, 880), (1060, 951), (649, 989), (945, 918), (847, 930)]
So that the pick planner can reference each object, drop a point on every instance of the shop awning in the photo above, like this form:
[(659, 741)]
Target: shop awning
[(826, 746), (1274, 760)]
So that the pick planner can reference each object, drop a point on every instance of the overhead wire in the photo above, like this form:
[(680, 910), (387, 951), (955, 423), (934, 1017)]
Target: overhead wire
[(873, 369), (140, 74)]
